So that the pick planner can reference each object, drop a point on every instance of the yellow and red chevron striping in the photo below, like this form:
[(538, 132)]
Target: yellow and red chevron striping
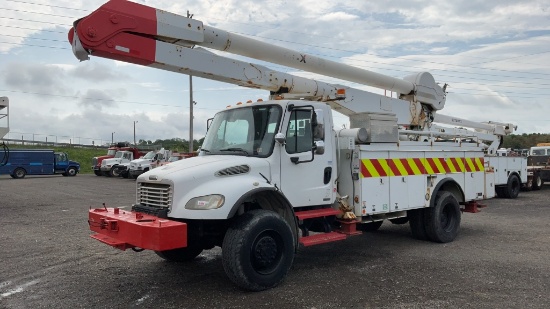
[(419, 166)]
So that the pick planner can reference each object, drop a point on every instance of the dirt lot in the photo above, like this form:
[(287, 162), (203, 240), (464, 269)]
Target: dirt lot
[(501, 259)]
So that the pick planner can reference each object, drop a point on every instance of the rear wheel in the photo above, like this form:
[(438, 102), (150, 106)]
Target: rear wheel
[(442, 221), (258, 250), (19, 173), (537, 182), (512, 187), (416, 223), (180, 254)]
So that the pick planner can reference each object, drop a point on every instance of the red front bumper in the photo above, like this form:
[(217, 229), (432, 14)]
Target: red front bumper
[(126, 229)]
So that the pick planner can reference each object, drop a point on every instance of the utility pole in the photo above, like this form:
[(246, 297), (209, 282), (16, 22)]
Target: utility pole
[(112, 138), (135, 131), (191, 102)]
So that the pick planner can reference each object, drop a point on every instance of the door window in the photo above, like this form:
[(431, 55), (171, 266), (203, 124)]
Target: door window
[(299, 134)]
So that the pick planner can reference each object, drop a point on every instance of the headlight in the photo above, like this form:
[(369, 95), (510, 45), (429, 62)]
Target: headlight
[(206, 202)]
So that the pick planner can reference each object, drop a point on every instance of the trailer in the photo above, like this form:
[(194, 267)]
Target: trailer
[(275, 176), (22, 162)]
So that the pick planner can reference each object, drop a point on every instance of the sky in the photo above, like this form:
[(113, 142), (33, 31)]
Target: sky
[(495, 56)]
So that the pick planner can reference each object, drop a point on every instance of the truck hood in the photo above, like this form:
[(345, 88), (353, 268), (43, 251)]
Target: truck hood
[(111, 161), (138, 161), (205, 166), (227, 175)]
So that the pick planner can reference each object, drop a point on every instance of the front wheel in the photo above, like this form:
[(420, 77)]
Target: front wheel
[(442, 221), (98, 173), (258, 250), (71, 171), (114, 172)]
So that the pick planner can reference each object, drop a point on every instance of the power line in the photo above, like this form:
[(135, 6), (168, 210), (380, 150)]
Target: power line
[(55, 6), (39, 13)]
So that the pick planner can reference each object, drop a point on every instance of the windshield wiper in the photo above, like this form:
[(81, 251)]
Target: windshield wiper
[(235, 149), (205, 150)]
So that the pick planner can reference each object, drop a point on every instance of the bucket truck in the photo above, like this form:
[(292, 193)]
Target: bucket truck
[(273, 176)]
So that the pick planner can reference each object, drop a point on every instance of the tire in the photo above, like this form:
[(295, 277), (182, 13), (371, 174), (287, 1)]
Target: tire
[(124, 175), (370, 226), (537, 182), (71, 172), (401, 220), (98, 173), (500, 192), (114, 172), (442, 221), (258, 250), (512, 187), (19, 173), (416, 223), (181, 254)]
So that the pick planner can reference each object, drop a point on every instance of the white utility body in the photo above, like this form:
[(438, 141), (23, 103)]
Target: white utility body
[(274, 175)]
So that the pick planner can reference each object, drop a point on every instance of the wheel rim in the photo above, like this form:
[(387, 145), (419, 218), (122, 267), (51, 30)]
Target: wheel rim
[(447, 219), (19, 173), (539, 181), (72, 172), (267, 252)]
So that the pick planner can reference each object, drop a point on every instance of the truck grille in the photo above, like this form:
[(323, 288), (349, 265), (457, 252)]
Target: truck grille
[(94, 161), (154, 195)]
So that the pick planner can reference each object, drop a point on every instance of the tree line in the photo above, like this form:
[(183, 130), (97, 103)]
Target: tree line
[(525, 140), (174, 144)]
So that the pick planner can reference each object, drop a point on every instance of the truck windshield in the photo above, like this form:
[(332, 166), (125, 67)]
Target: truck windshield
[(149, 155), (111, 152), (119, 154), (247, 131)]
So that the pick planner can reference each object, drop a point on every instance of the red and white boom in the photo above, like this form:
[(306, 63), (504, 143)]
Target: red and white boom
[(135, 33)]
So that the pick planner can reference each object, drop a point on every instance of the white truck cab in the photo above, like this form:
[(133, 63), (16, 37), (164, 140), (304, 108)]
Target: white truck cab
[(109, 166)]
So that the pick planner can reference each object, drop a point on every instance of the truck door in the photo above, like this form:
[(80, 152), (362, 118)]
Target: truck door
[(61, 162), (306, 175)]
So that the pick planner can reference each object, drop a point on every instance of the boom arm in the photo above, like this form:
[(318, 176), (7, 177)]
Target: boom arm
[(155, 38)]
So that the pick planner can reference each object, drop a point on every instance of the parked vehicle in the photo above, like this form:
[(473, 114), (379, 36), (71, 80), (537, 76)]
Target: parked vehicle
[(110, 167), (276, 175), (147, 162), (22, 162), (111, 152)]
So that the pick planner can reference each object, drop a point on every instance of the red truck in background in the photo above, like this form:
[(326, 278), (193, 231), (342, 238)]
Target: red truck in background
[(111, 151)]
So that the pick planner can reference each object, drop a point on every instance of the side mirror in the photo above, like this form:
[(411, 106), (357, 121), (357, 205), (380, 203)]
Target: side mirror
[(280, 138)]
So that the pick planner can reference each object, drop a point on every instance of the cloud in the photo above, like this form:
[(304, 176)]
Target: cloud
[(35, 77), (98, 72), (98, 99)]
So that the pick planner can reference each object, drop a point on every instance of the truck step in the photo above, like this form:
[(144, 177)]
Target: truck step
[(323, 238), (316, 213)]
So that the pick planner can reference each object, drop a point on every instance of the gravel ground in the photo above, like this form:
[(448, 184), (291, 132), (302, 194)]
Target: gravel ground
[(500, 260)]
